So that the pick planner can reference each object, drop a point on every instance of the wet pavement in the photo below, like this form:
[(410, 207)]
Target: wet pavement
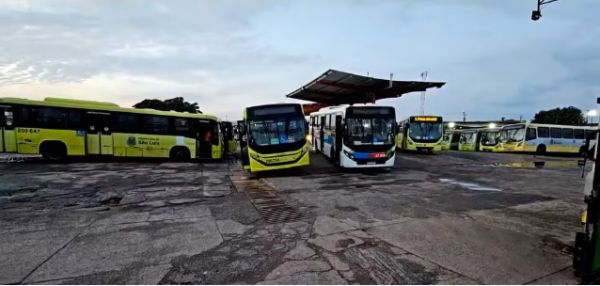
[(453, 218)]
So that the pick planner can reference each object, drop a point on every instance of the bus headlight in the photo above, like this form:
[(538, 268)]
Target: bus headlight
[(348, 154), (308, 137), (254, 156)]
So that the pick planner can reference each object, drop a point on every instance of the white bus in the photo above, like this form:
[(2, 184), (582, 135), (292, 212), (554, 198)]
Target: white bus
[(543, 138), (355, 136)]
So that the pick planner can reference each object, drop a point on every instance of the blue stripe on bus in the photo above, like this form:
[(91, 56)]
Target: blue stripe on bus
[(362, 155)]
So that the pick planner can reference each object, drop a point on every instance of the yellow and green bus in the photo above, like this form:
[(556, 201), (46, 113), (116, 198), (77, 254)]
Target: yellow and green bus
[(59, 128), (273, 137), (229, 141), (489, 140), (544, 138), (468, 140), (421, 133)]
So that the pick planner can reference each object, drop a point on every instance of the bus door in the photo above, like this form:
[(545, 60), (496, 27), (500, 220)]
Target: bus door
[(322, 134), (243, 139), (338, 137), (8, 138), (455, 140), (204, 140), (99, 139)]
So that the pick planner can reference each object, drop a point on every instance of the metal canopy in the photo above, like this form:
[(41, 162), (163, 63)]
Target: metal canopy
[(337, 87)]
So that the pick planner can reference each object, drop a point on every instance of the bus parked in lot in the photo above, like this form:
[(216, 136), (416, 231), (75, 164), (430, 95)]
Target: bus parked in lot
[(463, 140), (355, 136), (273, 137), (420, 133), (489, 140), (544, 138), (230, 144), (468, 140), (57, 128)]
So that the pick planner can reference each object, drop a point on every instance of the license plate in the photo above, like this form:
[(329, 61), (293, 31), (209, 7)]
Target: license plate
[(371, 163)]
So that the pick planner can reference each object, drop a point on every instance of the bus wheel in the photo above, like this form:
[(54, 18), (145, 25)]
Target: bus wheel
[(53, 151), (180, 154), (541, 150)]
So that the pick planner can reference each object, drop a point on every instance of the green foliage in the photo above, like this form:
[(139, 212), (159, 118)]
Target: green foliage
[(175, 104), (567, 116)]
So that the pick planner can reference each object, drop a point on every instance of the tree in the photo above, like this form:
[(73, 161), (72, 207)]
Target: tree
[(175, 104), (568, 116)]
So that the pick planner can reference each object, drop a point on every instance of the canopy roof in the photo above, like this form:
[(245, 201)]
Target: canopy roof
[(337, 87)]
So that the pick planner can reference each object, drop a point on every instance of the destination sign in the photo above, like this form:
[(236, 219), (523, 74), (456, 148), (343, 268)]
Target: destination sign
[(427, 119)]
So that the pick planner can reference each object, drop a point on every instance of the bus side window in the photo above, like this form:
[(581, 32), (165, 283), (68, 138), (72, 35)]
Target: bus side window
[(530, 135), (182, 126), (155, 125), (579, 134), (567, 133), (543, 132), (127, 123), (555, 132), (8, 119)]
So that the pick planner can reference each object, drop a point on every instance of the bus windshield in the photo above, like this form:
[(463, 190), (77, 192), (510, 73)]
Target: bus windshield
[(370, 131), (489, 138), (277, 131), (425, 130), (513, 135)]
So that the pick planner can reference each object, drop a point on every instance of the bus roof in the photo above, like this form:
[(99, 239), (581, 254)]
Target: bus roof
[(549, 125), (338, 87), (98, 105)]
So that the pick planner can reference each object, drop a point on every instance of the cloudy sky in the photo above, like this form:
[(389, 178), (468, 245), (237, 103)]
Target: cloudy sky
[(229, 54)]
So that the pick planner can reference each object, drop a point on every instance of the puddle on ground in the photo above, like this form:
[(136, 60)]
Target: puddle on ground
[(557, 164), (470, 186)]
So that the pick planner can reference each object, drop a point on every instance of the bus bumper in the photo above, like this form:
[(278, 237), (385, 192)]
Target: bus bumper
[(285, 162), (346, 162)]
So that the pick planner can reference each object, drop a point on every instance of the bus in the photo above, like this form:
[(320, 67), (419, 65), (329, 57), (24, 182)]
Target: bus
[(489, 140), (273, 137), (544, 138), (58, 128), (468, 139), (447, 139), (421, 133), (355, 136), (230, 144)]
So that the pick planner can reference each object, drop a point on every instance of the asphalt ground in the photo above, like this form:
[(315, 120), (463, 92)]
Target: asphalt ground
[(451, 218)]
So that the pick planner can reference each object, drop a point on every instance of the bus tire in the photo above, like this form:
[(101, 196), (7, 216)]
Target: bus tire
[(54, 151), (179, 153), (540, 150)]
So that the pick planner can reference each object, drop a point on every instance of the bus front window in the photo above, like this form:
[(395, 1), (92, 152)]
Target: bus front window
[(513, 135), (277, 131), (425, 131), (370, 131), (489, 138)]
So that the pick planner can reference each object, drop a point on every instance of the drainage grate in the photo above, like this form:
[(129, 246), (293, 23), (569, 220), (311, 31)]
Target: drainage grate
[(265, 199)]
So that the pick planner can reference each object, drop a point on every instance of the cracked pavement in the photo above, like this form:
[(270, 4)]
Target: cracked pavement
[(453, 218)]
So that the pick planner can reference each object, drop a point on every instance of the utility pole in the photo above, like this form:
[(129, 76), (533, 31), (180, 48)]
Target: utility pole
[(464, 117), (423, 77)]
